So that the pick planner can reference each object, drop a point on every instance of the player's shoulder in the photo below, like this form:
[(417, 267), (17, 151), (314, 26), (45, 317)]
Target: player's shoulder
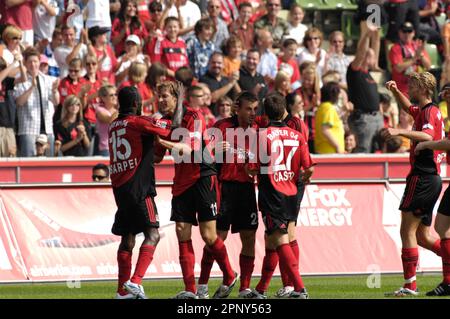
[(225, 123)]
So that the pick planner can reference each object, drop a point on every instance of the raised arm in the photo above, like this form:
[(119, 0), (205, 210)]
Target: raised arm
[(401, 99)]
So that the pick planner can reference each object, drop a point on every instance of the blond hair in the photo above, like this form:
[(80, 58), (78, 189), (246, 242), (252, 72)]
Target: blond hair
[(424, 82), (10, 32), (137, 72)]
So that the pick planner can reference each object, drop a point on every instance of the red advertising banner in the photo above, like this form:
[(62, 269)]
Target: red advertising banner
[(63, 233)]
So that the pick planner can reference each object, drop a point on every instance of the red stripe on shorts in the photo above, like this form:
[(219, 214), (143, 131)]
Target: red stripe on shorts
[(150, 210)]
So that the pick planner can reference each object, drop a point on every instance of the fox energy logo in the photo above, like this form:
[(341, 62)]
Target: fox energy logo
[(325, 207)]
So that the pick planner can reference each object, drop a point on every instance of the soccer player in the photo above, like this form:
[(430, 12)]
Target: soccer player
[(423, 183), (278, 180), (238, 208), (442, 222), (133, 180), (270, 260), (194, 196)]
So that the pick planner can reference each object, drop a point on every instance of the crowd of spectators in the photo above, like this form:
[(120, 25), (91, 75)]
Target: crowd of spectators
[(62, 63)]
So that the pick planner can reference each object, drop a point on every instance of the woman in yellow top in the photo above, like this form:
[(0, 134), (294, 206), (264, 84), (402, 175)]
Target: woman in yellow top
[(330, 133)]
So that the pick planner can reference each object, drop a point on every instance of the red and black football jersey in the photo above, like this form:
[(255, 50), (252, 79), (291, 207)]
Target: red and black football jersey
[(232, 166), (429, 120), (287, 153), (171, 54), (131, 153), (200, 163)]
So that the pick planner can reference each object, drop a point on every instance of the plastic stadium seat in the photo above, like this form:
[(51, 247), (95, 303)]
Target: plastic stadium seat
[(349, 28), (434, 56), (336, 5), (308, 4)]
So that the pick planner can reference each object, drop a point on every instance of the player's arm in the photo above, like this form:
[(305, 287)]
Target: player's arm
[(442, 145), (418, 136), (401, 99), (180, 147)]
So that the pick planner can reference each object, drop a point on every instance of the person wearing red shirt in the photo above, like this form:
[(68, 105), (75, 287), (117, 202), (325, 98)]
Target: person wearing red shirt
[(423, 183), (126, 23), (170, 50), (407, 56), (287, 63), (131, 139), (194, 192), (73, 83), (278, 191), (238, 208)]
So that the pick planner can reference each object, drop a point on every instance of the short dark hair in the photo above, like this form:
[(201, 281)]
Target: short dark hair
[(102, 167), (330, 92), (29, 52), (254, 50), (155, 6), (185, 76), (289, 42), (170, 19), (130, 101), (246, 96), (202, 24), (192, 89), (245, 4), (274, 106), (385, 98), (290, 101)]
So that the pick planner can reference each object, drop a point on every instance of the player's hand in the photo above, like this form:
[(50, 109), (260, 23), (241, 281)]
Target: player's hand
[(251, 172), (388, 133), (178, 115), (391, 86), (306, 174)]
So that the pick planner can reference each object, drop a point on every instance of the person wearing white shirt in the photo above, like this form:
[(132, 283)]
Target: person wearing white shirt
[(312, 52), (97, 13), (44, 19), (70, 49), (188, 13), (296, 28), (132, 54)]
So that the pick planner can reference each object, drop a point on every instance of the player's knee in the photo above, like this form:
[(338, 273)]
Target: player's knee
[(127, 243), (442, 231), (209, 238), (152, 236)]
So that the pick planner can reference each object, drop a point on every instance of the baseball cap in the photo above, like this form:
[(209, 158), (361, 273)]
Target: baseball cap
[(133, 38), (96, 30), (42, 139), (43, 59), (407, 27)]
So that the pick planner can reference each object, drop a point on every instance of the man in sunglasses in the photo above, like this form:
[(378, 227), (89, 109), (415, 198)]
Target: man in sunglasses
[(100, 173), (406, 56)]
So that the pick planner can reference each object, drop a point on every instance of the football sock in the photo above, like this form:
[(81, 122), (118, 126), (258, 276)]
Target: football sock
[(144, 260), (246, 263), (283, 271), (206, 266), (437, 247), (187, 261), (270, 262), (286, 256), (410, 257), (124, 265), (219, 252), (445, 250)]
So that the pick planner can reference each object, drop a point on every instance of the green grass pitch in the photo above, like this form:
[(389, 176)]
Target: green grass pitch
[(324, 287)]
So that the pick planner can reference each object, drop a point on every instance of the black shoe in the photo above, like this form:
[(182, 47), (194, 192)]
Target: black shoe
[(441, 290)]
